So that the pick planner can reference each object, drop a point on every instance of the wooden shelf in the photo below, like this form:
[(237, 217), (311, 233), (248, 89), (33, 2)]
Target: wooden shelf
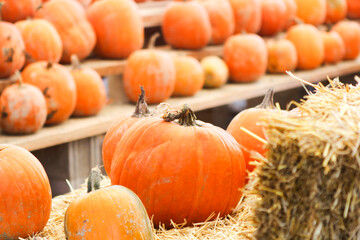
[(152, 12), (79, 128)]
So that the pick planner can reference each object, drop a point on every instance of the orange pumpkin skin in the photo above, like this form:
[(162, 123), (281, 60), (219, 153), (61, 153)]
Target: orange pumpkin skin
[(23, 109), (311, 11), (58, 87), (115, 209), (274, 16), (309, 45), (152, 69), (186, 25), (12, 55), (335, 10), (16, 10), (334, 47), (189, 76), (353, 9), (350, 34), (282, 56), (118, 27), (221, 18), (69, 19), (247, 15), (25, 192), (182, 172), (42, 41), (246, 57)]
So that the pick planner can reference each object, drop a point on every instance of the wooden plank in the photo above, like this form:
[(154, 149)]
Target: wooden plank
[(152, 12), (79, 128)]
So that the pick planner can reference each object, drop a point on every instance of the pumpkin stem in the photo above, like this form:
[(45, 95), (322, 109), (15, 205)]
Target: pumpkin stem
[(94, 179), (152, 40), (185, 117), (75, 63), (141, 109), (49, 65), (17, 76), (296, 20), (268, 101)]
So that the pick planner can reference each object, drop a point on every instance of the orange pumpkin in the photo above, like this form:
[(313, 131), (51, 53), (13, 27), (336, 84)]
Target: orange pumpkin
[(23, 109), (25, 193), (12, 55), (311, 11), (186, 25), (90, 90), (42, 41), (118, 27), (334, 47), (353, 9), (309, 45), (291, 9), (274, 16), (350, 34), (15, 10), (189, 76), (246, 57), (335, 10), (215, 70), (69, 19), (282, 56), (221, 18), (247, 15), (184, 169), (58, 87)]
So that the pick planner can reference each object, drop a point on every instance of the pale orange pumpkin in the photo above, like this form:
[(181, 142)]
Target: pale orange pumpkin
[(335, 10), (311, 11), (334, 47), (282, 56), (247, 15), (215, 70), (274, 16), (16, 10), (350, 33)]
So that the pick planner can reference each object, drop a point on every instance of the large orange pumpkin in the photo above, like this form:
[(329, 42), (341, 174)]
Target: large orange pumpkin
[(186, 25), (184, 169), (15, 10), (246, 57), (42, 41), (335, 10), (116, 210), (25, 193), (309, 45), (118, 27), (350, 34), (353, 9), (311, 11), (70, 21), (282, 56), (58, 87), (247, 15), (334, 47), (274, 16)]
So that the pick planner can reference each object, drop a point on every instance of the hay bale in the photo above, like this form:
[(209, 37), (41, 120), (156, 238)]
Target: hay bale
[(309, 185)]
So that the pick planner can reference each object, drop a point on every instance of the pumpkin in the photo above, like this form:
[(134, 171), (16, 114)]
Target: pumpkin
[(25, 193), (309, 45), (154, 70), (250, 119), (215, 70), (12, 57), (353, 9), (16, 10), (247, 15), (184, 169), (69, 19), (90, 90), (246, 57), (221, 18), (58, 87), (118, 26), (335, 10), (350, 33), (116, 210), (274, 16), (42, 41), (282, 56), (23, 109), (117, 130), (334, 47), (291, 9), (311, 11), (186, 25), (189, 76)]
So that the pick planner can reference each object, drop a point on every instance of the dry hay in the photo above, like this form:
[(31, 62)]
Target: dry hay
[(234, 226), (309, 185)]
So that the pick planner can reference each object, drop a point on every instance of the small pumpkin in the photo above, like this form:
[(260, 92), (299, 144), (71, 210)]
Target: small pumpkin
[(57, 85), (23, 109), (16, 10), (311, 11), (334, 47), (186, 25), (247, 15), (350, 33), (25, 193), (215, 70), (115, 209), (335, 10), (274, 17), (246, 57), (353, 9), (282, 56)]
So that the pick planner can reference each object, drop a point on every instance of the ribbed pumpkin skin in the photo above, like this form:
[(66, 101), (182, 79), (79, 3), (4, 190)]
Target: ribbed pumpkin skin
[(42, 41), (25, 193), (180, 172), (12, 55), (23, 109), (247, 15), (69, 18), (349, 31), (311, 11), (116, 210), (16, 10), (118, 26), (57, 85)]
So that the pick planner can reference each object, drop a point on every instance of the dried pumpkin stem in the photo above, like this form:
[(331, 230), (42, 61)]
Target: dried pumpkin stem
[(152, 40), (141, 109), (17, 76), (49, 65), (75, 63), (268, 101), (94, 179), (185, 117)]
